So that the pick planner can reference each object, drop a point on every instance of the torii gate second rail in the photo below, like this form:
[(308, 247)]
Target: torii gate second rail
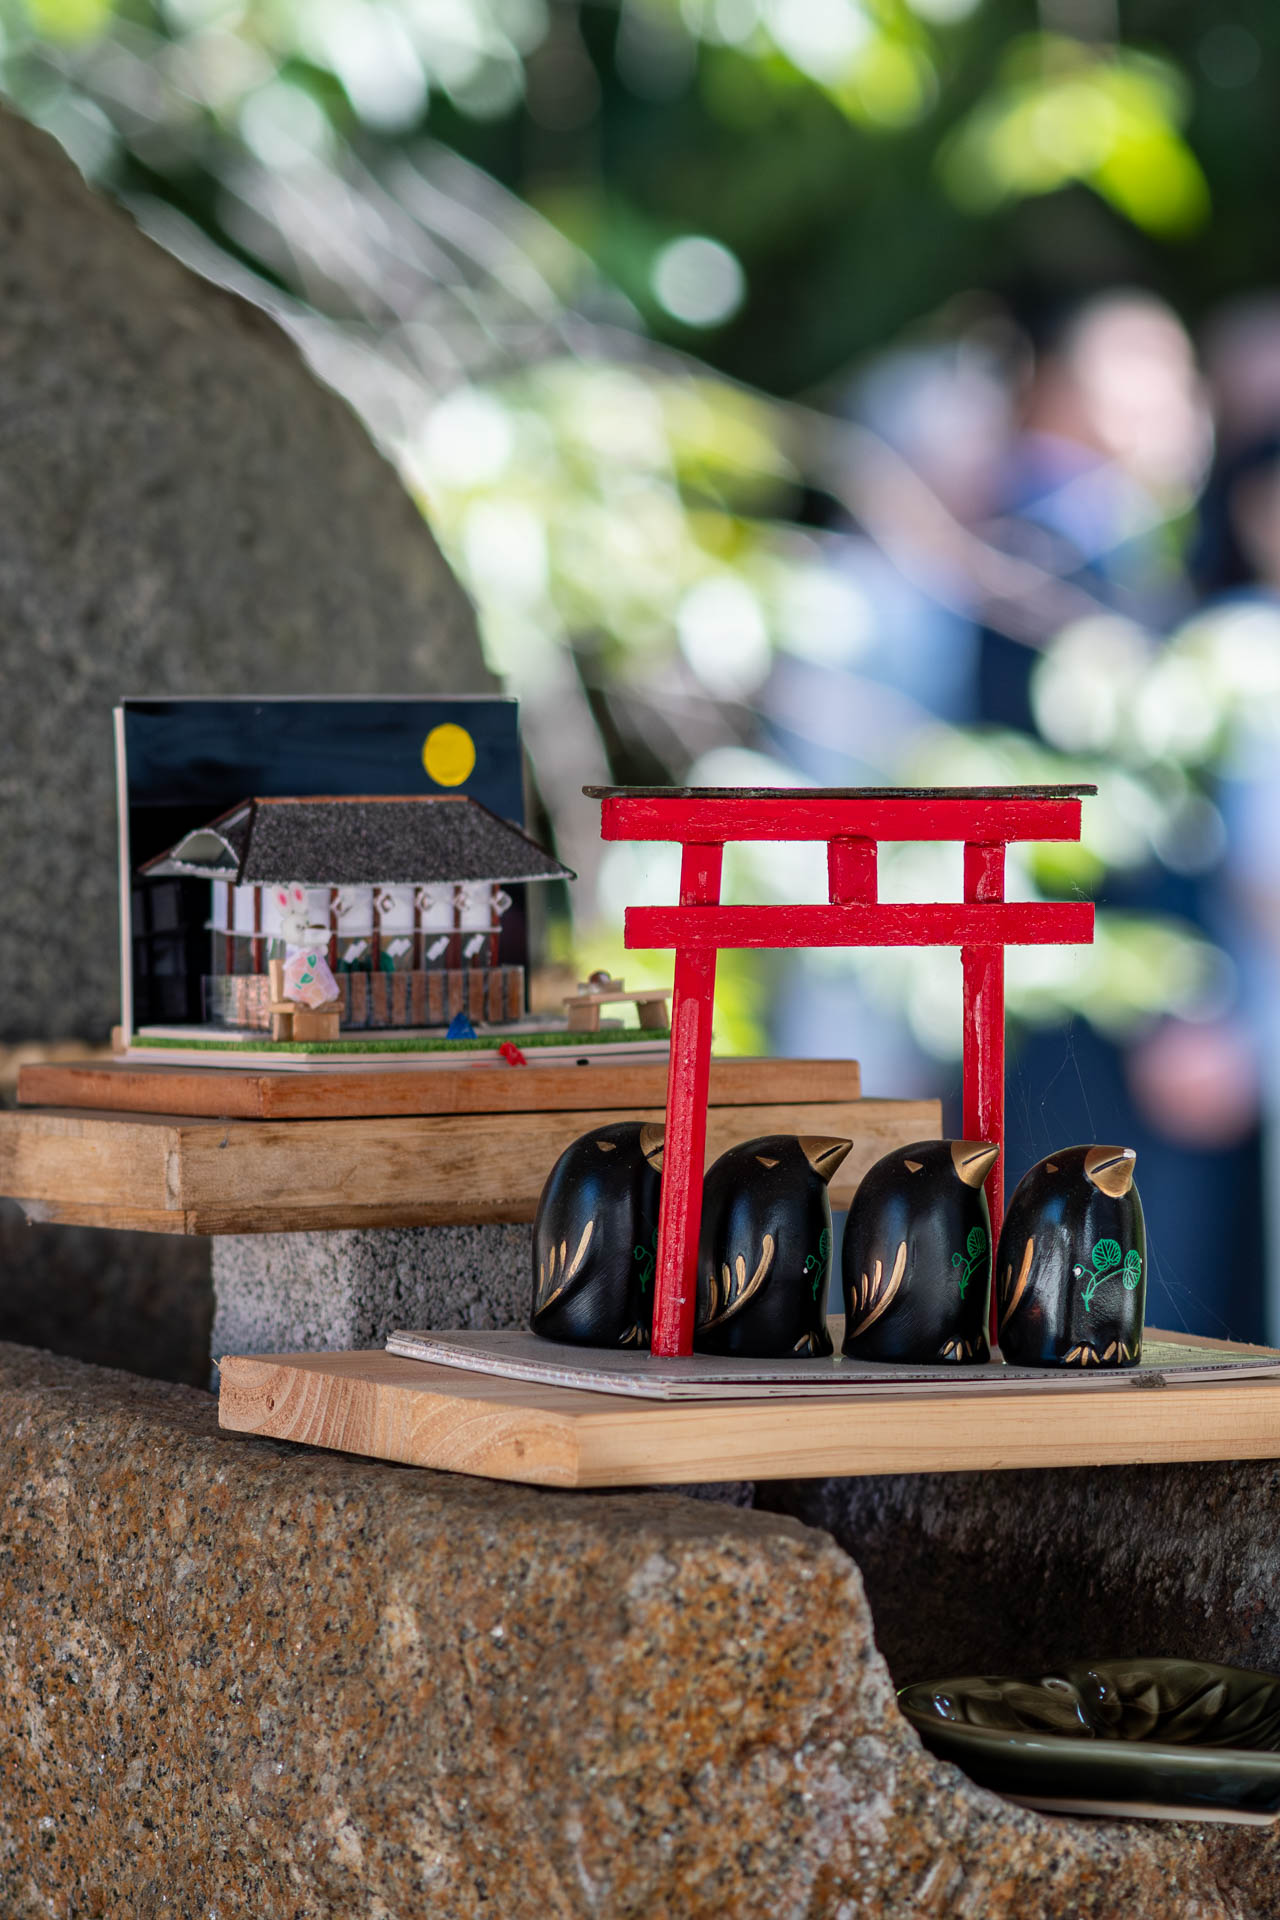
[(852, 821)]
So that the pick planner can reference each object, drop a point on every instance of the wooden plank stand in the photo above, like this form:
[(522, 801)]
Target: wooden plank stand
[(422, 1415)]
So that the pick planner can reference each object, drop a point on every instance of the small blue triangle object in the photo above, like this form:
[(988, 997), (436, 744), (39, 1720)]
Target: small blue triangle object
[(460, 1028)]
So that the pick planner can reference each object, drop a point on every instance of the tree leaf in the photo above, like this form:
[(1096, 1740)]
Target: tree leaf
[(1106, 1254), (976, 1243)]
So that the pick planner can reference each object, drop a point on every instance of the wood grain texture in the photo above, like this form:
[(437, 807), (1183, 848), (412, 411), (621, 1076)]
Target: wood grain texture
[(248, 1094), (161, 1174), (420, 1415)]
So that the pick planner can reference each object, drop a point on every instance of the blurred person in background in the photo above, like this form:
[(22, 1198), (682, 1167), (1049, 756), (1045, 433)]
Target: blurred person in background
[(1115, 444), (900, 653), (1237, 565)]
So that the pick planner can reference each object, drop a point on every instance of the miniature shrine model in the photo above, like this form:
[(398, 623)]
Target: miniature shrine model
[(329, 884), (386, 910)]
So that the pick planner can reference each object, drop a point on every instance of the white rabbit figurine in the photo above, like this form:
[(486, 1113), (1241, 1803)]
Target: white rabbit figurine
[(307, 979)]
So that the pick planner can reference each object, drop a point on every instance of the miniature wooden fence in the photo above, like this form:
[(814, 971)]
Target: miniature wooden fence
[(852, 822)]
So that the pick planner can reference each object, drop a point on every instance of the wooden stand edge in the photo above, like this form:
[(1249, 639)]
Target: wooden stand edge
[(388, 1408), (248, 1093)]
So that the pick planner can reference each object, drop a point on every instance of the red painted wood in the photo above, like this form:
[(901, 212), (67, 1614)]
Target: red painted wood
[(852, 871), (675, 1287), (983, 968), (933, 924), (798, 817)]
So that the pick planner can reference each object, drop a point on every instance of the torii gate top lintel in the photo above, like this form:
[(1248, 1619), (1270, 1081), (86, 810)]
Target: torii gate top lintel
[(852, 821)]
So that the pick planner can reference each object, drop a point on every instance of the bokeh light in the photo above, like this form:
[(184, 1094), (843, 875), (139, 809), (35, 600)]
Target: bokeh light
[(698, 281)]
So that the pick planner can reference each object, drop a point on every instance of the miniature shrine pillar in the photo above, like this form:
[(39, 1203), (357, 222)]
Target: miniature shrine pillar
[(983, 967), (676, 1274)]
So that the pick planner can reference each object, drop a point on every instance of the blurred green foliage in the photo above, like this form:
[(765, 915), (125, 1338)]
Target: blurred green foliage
[(471, 215), (864, 162)]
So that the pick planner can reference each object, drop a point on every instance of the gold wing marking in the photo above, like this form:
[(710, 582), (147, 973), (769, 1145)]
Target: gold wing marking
[(1020, 1286), (581, 1254), (739, 1289), (871, 1287), (565, 1275), (878, 1301)]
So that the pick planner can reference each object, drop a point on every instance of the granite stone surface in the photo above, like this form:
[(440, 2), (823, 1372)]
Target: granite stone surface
[(248, 1680), (1026, 1570), (183, 509), (308, 1292)]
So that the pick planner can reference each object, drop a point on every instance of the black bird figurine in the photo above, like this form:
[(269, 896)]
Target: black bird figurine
[(916, 1260), (764, 1257), (595, 1238), (1071, 1285)]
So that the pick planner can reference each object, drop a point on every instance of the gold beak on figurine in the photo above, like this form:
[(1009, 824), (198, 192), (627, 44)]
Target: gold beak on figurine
[(652, 1137), (973, 1160), (1110, 1169), (824, 1154)]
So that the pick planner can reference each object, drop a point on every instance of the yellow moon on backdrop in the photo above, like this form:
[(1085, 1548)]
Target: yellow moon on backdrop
[(448, 754)]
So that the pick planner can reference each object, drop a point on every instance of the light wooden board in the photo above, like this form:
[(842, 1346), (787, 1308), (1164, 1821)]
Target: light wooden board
[(424, 1416), (159, 1174), (250, 1094)]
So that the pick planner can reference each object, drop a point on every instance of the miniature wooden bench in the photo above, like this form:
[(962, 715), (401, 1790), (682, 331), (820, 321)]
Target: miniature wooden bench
[(650, 1003), (292, 1021)]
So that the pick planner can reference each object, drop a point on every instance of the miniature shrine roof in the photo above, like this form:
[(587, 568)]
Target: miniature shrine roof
[(363, 840)]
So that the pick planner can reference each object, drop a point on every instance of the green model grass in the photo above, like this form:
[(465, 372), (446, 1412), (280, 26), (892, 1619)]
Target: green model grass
[(483, 1043)]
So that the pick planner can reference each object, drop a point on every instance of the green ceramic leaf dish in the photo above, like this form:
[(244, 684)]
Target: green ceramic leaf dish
[(1156, 1739)]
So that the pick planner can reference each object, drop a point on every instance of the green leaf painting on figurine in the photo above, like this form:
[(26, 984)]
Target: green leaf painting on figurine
[(645, 1258), (1109, 1264), (818, 1263), (968, 1262)]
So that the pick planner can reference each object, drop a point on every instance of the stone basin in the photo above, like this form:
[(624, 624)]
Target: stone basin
[(240, 1678)]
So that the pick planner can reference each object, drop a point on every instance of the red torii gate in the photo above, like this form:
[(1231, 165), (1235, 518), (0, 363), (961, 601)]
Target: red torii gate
[(852, 821)]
